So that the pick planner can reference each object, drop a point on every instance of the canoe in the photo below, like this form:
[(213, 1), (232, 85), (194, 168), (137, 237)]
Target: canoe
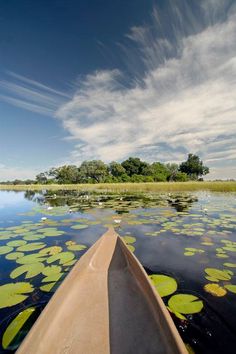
[(106, 304)]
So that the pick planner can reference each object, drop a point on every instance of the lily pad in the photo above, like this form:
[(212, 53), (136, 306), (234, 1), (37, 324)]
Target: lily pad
[(31, 247), (215, 289), (49, 270), (31, 270), (15, 326), (13, 293), (33, 237), (52, 278), (185, 304), (76, 247), (16, 243), (217, 274), (14, 255), (230, 265), (48, 287), (63, 257), (231, 288), (51, 250), (130, 247), (129, 239), (164, 284), (79, 226), (5, 249), (31, 258), (53, 233)]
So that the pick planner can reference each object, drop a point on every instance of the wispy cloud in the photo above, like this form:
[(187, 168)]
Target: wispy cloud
[(181, 97), (31, 95)]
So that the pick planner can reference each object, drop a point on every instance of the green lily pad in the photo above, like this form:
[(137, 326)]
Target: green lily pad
[(230, 248), (51, 250), (49, 270), (15, 326), (230, 265), (33, 237), (185, 304), (13, 293), (189, 253), (31, 270), (231, 288), (164, 284), (47, 229), (76, 247), (14, 255), (71, 263), (5, 249), (52, 278), (48, 287), (31, 258), (31, 247), (53, 233), (129, 239), (217, 274), (16, 243), (62, 257), (79, 226), (130, 247)]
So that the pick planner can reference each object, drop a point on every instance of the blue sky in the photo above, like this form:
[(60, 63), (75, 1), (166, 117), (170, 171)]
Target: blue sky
[(101, 79)]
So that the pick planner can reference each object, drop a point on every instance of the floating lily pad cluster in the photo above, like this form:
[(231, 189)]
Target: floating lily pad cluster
[(190, 251), (129, 240), (179, 304), (221, 281)]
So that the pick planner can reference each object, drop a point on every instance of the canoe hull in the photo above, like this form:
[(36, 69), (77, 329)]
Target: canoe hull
[(105, 305)]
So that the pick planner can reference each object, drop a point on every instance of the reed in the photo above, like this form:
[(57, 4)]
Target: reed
[(224, 186)]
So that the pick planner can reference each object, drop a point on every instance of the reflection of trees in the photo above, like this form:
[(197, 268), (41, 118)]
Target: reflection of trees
[(181, 202), (36, 197), (119, 202)]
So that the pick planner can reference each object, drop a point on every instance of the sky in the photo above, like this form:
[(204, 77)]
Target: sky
[(100, 79)]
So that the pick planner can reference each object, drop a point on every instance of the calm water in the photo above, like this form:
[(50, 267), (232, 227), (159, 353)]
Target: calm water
[(188, 237)]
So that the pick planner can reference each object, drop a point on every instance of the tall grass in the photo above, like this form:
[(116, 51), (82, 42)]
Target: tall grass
[(132, 187)]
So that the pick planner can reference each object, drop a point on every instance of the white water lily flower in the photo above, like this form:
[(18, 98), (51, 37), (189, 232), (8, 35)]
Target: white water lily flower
[(117, 221)]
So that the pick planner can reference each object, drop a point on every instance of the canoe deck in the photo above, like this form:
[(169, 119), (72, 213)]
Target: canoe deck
[(105, 305)]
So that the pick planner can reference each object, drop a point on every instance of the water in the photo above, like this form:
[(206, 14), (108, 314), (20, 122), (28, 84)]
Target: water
[(178, 235)]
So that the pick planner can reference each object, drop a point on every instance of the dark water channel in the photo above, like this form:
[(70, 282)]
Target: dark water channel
[(188, 237)]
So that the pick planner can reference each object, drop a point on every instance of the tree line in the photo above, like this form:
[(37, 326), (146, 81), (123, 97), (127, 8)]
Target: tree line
[(131, 170)]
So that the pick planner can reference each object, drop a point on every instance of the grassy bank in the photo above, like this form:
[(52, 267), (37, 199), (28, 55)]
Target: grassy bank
[(132, 187)]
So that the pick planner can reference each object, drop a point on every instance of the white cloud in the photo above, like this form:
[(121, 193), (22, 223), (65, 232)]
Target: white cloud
[(187, 102)]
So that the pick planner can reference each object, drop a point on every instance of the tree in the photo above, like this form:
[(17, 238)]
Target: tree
[(134, 166), (160, 172), (193, 167), (173, 169), (116, 169), (41, 178), (67, 174), (93, 171)]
